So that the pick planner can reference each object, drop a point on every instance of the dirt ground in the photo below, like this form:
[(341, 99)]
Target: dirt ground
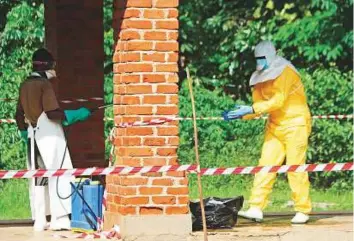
[(321, 228)]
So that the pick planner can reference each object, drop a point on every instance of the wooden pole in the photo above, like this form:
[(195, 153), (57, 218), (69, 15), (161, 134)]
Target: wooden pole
[(197, 156)]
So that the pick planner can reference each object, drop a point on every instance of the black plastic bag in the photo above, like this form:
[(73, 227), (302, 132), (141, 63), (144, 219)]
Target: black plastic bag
[(220, 212)]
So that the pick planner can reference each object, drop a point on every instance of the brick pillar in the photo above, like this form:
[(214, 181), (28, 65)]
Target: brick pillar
[(151, 206), (74, 34)]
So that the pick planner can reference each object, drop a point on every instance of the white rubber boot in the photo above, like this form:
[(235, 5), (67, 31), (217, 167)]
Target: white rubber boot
[(254, 214), (40, 221), (300, 218), (60, 223)]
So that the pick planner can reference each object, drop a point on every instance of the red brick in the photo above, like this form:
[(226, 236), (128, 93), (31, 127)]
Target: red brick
[(167, 110), (127, 191), (120, 78), (131, 141), (131, 13), (110, 198), (139, 89), (112, 208), (133, 181), (163, 182), (171, 67), (141, 24), (139, 3), (109, 179), (172, 13), (129, 34), (167, 46), (135, 151), (110, 188), (119, 110), (156, 57), (126, 57), (128, 161), (121, 131), (175, 174), (139, 131), (150, 190), (172, 57), (155, 35), (183, 200), (116, 180), (167, 131), (117, 199), (173, 99), (178, 190), (167, 24), (118, 141), (126, 100), (170, 151), (152, 174), (183, 181), (154, 13), (164, 200), (172, 78), (154, 78), (154, 161), (154, 99), (135, 200), (151, 211), (139, 45), (167, 89), (119, 89), (133, 67), (124, 210), (177, 210), (154, 141), (173, 161), (166, 3), (174, 141), (129, 119), (138, 110)]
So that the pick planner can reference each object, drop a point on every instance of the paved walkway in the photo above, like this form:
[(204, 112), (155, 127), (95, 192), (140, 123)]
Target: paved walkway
[(320, 228), (339, 228)]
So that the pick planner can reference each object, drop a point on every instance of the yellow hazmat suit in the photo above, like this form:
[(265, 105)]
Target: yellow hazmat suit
[(286, 138)]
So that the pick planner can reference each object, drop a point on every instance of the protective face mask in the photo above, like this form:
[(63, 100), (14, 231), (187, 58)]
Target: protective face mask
[(262, 64), (50, 73)]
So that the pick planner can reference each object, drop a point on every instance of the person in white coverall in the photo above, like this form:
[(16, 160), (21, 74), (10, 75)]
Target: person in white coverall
[(40, 119)]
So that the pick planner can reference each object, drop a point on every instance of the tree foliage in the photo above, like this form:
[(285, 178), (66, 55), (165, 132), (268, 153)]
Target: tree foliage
[(218, 37), (22, 34)]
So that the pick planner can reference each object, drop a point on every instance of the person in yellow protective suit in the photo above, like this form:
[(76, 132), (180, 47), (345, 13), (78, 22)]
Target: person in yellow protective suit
[(279, 92)]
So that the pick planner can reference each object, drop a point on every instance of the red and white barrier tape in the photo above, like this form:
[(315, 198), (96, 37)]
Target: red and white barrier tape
[(322, 117), (67, 101), (7, 121), (113, 233), (169, 119), (159, 121), (96, 171), (327, 167)]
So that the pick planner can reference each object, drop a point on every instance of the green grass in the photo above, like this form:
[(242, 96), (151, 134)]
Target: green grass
[(14, 202)]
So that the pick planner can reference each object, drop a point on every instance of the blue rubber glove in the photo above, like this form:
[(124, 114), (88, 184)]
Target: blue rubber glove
[(239, 112), (24, 135), (74, 116)]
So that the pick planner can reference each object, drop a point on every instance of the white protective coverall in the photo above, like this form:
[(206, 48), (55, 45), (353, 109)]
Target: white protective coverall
[(48, 136)]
